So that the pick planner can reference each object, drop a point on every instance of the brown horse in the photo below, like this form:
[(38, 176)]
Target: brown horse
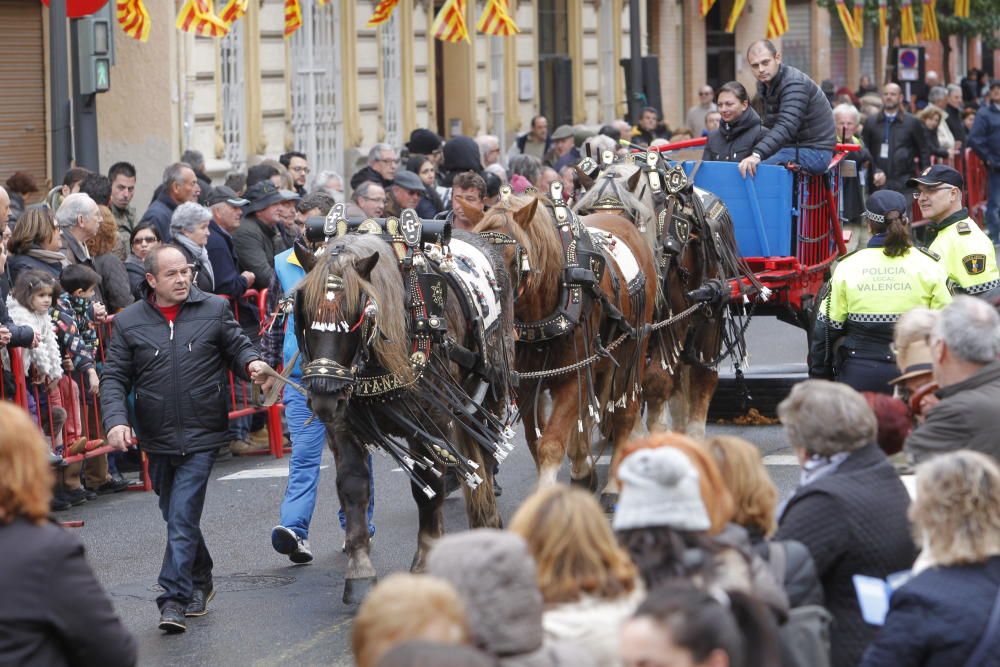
[(377, 361), (582, 287)]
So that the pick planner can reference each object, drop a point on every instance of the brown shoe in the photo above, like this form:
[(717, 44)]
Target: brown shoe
[(243, 448), (79, 446), (260, 438)]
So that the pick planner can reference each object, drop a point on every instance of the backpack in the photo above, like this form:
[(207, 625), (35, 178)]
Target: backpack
[(805, 636)]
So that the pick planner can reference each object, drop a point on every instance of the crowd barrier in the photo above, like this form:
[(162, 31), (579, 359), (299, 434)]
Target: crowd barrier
[(31, 396)]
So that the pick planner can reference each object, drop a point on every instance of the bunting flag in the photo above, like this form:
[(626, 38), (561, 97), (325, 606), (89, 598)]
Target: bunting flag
[(962, 9), (777, 19), (233, 11), (198, 17), (496, 20), (382, 12), (847, 20), (883, 23), (735, 14), (293, 17), (704, 7), (908, 29), (324, 3), (930, 33), (134, 19), (859, 21), (449, 24)]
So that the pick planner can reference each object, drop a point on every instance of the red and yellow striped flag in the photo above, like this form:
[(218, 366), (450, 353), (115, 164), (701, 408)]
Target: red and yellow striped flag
[(704, 7), (134, 19), (883, 23), (734, 14), (859, 21), (930, 33), (198, 17), (324, 3), (962, 9), (496, 20), (233, 11), (382, 12), (847, 21), (777, 19), (907, 27), (449, 24), (293, 17)]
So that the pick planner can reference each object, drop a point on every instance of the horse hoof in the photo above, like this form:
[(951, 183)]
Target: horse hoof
[(608, 502), (589, 482), (355, 590)]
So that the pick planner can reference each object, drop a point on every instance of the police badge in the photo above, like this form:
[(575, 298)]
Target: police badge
[(975, 263)]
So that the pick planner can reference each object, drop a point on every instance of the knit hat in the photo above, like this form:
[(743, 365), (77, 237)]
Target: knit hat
[(660, 488), (423, 141)]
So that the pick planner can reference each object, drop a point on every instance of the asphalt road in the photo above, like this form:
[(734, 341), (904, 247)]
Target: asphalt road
[(269, 612)]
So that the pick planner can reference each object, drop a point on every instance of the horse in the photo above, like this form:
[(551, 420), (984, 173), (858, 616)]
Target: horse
[(401, 360), (693, 239), (581, 290)]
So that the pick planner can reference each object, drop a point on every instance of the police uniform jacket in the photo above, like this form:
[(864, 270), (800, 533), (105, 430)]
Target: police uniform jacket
[(866, 295), (966, 252)]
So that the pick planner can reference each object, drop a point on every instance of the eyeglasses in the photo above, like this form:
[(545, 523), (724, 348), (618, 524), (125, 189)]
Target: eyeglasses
[(140, 240), (389, 160), (379, 200), (930, 191), (299, 170)]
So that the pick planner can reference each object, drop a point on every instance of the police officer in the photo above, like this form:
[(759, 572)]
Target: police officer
[(966, 252), (869, 290)]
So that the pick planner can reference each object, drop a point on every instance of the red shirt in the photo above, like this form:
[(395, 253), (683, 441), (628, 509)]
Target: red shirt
[(169, 312)]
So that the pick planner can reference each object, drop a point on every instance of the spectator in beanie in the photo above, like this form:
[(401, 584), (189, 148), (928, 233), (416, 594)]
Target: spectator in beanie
[(427, 143)]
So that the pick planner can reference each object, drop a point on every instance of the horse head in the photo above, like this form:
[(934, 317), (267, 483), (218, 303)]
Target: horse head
[(349, 319)]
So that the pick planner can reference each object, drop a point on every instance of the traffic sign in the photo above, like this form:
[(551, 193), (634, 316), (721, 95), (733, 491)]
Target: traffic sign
[(79, 8)]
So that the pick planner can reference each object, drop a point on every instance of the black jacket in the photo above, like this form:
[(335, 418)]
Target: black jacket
[(984, 138), (368, 174), (114, 281), (734, 141), (177, 372), (933, 145), (225, 264), (937, 618), (853, 521), (136, 276), (205, 183), (256, 244), (799, 576), (159, 213), (20, 336), (955, 123), (966, 418), (907, 148), (18, 263), (53, 611), (796, 112)]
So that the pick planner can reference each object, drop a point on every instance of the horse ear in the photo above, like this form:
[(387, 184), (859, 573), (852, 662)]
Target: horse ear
[(365, 265), (633, 180), (474, 215), (526, 213), (305, 256)]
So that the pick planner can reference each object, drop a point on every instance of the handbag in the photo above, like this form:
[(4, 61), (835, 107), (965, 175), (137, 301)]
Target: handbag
[(982, 650)]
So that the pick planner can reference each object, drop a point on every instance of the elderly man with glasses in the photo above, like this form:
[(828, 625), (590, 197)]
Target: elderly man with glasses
[(966, 252), (383, 161), (370, 198)]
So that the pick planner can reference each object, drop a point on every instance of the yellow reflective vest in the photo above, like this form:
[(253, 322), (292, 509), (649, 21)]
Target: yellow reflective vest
[(967, 254)]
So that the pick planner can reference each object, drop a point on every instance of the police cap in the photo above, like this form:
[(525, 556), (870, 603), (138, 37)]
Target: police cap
[(883, 202), (939, 174)]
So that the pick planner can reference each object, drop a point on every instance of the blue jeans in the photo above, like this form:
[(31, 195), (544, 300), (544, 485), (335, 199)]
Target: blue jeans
[(813, 160), (308, 442), (180, 482), (993, 207)]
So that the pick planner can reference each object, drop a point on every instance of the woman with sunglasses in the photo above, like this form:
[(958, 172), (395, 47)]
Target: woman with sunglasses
[(869, 290), (144, 238)]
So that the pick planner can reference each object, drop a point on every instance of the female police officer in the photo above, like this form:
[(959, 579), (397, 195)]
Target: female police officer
[(869, 290)]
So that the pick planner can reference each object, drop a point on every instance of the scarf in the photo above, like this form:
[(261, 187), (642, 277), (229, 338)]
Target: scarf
[(815, 468), (48, 256), (46, 357), (200, 255)]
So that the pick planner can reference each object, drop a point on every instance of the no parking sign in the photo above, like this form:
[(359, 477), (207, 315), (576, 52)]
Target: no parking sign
[(908, 64)]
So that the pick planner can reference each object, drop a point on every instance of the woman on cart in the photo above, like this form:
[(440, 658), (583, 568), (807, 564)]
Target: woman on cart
[(739, 128), (870, 289)]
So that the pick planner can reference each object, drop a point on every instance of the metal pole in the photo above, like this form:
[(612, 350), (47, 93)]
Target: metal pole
[(87, 151), (635, 57), (59, 91)]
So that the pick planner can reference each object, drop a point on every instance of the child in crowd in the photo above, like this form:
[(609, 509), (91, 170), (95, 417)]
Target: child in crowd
[(30, 305)]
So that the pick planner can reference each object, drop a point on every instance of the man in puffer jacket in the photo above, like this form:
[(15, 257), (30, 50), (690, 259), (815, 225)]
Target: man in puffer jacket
[(796, 113)]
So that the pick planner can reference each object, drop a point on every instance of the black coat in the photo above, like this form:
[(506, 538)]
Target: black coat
[(734, 141), (20, 336), (933, 145), (256, 245), (368, 174), (53, 611), (159, 213), (796, 113), (955, 123), (853, 521), (225, 264), (18, 263), (937, 618), (114, 281), (177, 372), (136, 276), (799, 578), (908, 151)]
